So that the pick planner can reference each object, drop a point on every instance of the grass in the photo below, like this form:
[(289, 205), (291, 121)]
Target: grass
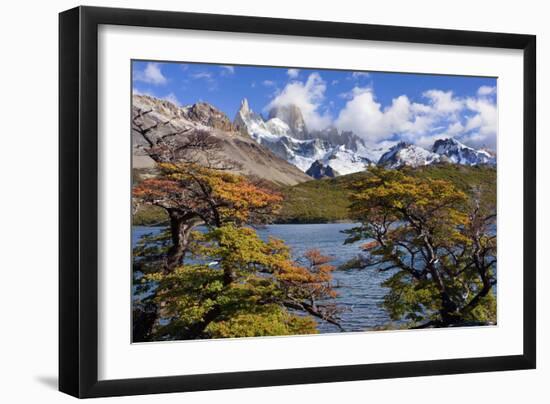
[(327, 200)]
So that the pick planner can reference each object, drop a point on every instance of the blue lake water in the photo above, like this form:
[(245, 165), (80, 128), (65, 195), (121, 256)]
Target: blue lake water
[(360, 293)]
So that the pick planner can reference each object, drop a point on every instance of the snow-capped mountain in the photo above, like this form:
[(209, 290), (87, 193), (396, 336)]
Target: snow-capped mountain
[(292, 115), (459, 153), (406, 154), (331, 152), (171, 126), (319, 170), (337, 152)]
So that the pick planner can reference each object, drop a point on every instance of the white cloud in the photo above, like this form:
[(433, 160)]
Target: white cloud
[(486, 90), (443, 102), (472, 120), (227, 70), (359, 75), (481, 128), (151, 74), (269, 83), (293, 73), (202, 75), (172, 98), (363, 115), (208, 78), (455, 128), (308, 96)]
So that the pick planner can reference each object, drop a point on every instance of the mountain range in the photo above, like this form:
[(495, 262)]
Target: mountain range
[(282, 149), (331, 152), (173, 124)]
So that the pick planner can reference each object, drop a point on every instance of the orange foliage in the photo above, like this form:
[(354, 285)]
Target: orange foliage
[(208, 193)]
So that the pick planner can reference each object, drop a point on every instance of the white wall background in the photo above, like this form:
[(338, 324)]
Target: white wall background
[(28, 203)]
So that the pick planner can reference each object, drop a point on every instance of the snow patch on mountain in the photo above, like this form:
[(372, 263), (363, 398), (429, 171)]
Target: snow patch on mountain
[(459, 153), (281, 139), (341, 153), (406, 154)]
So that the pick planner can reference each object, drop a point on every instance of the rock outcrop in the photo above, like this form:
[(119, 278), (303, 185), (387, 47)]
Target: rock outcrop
[(319, 170), (173, 125)]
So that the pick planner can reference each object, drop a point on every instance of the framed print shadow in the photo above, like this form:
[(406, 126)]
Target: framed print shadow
[(251, 201)]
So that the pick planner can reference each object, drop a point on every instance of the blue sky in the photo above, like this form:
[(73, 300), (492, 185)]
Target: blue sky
[(380, 107)]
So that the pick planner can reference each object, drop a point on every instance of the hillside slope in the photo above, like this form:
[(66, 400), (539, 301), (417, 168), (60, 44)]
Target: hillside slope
[(327, 200), (252, 158)]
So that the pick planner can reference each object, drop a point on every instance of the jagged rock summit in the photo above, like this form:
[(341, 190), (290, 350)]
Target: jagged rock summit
[(459, 153), (319, 170), (209, 116), (282, 149), (285, 134), (177, 123), (292, 116), (406, 154)]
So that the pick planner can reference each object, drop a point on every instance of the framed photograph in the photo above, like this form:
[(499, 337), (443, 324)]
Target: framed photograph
[(251, 201)]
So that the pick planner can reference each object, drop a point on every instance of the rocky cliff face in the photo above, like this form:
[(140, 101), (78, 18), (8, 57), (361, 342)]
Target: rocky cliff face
[(406, 154), (459, 153), (209, 116), (173, 126), (292, 116), (286, 135), (282, 150), (319, 170)]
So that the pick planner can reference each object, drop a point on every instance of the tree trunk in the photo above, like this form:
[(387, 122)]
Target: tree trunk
[(181, 227)]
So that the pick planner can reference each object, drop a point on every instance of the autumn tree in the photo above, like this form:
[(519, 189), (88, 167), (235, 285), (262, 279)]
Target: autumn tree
[(238, 285), (192, 194), (223, 280), (437, 242)]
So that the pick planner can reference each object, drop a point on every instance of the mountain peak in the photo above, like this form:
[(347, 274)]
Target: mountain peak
[(447, 142), (208, 115), (244, 109), (459, 153), (407, 154), (319, 170), (292, 116)]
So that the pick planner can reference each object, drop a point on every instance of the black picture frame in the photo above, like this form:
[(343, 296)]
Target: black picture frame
[(78, 206)]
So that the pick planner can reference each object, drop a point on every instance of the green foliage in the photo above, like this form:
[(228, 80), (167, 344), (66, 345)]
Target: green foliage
[(436, 239), (316, 201), (328, 200), (242, 287), (271, 320), (149, 215)]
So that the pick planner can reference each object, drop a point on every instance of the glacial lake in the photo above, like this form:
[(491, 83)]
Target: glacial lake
[(359, 291)]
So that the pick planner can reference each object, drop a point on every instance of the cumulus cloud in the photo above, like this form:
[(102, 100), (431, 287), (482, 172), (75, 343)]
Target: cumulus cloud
[(152, 74), (443, 102), (363, 115), (472, 120), (269, 83), (486, 90), (481, 128), (308, 96), (359, 75), (293, 73)]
